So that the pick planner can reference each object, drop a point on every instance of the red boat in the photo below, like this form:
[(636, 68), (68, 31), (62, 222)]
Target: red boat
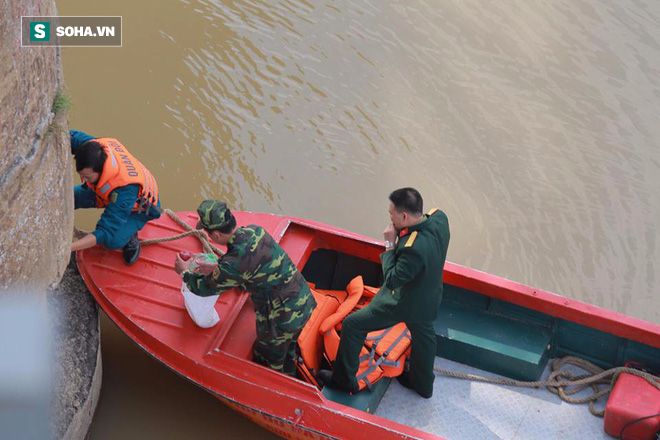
[(485, 324)]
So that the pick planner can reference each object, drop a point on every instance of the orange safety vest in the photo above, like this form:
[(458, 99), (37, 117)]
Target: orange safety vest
[(389, 349), (121, 168), (384, 353), (368, 373), (310, 340)]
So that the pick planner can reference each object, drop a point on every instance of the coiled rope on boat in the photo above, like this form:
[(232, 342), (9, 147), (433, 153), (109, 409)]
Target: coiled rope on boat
[(564, 383)]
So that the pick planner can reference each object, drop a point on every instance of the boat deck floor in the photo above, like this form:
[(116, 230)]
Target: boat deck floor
[(463, 409)]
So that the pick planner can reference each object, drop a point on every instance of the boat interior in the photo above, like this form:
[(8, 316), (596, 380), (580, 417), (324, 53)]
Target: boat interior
[(481, 335)]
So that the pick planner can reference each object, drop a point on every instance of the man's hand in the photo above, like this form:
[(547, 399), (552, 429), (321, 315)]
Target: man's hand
[(86, 242), (389, 234), (205, 268), (78, 234), (180, 265)]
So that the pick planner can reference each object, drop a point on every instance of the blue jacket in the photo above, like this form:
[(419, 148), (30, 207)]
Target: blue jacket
[(115, 214)]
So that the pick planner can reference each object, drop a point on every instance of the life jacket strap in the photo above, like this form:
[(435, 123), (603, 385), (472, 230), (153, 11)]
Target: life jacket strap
[(405, 334), (363, 376)]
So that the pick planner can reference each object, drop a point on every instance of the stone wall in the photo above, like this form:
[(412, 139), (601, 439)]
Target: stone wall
[(36, 202), (36, 217), (78, 367)]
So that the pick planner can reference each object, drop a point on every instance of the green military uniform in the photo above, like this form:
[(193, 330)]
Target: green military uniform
[(254, 262), (411, 293)]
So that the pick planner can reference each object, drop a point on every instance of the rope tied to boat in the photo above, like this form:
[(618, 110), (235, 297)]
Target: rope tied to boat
[(208, 247), (564, 383)]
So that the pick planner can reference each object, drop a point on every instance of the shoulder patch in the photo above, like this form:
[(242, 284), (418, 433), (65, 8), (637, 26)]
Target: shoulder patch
[(433, 211), (411, 239), (113, 197)]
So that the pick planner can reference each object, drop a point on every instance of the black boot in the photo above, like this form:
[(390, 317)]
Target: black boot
[(325, 377), (404, 380), (131, 250)]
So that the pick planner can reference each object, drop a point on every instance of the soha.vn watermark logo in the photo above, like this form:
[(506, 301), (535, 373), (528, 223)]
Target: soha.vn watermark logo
[(39, 31), (71, 31)]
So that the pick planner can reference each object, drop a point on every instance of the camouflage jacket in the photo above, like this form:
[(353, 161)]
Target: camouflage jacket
[(256, 263)]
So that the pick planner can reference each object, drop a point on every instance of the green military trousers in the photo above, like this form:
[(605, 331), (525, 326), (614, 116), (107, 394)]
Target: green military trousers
[(277, 351), (278, 326), (371, 318)]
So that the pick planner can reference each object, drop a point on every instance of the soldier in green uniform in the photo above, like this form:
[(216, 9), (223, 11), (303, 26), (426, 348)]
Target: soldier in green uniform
[(254, 262), (413, 261)]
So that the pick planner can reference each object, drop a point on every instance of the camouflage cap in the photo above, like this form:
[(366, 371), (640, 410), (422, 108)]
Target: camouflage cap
[(213, 214)]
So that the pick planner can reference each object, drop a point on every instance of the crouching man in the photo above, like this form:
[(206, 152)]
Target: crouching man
[(255, 263), (115, 180)]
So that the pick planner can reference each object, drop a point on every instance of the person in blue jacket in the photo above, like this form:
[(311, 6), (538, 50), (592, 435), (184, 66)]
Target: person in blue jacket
[(115, 180)]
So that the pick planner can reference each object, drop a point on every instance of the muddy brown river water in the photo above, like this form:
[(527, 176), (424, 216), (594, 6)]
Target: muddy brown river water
[(534, 125)]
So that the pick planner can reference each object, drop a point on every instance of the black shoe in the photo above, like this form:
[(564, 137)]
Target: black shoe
[(131, 250), (426, 395), (325, 377), (404, 380)]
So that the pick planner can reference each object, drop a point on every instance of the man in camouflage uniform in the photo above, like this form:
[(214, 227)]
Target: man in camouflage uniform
[(254, 262)]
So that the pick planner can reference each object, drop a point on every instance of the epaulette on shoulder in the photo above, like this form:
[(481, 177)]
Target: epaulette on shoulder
[(433, 211), (411, 239)]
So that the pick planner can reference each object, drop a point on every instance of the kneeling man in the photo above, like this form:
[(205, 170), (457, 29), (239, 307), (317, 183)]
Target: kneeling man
[(254, 262)]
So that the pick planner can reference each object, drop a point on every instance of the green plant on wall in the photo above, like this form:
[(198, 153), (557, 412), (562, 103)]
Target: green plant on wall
[(60, 108), (61, 103)]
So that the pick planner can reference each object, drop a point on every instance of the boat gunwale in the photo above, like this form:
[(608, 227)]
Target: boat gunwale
[(540, 300)]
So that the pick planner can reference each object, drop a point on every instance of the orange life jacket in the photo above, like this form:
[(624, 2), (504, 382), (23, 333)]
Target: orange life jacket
[(385, 350), (121, 168), (309, 341), (389, 349), (368, 373)]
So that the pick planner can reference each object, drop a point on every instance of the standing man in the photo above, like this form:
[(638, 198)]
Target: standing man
[(115, 180), (283, 301), (413, 262)]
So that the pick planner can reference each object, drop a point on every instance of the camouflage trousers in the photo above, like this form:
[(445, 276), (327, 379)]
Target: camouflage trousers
[(278, 326), (278, 353)]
